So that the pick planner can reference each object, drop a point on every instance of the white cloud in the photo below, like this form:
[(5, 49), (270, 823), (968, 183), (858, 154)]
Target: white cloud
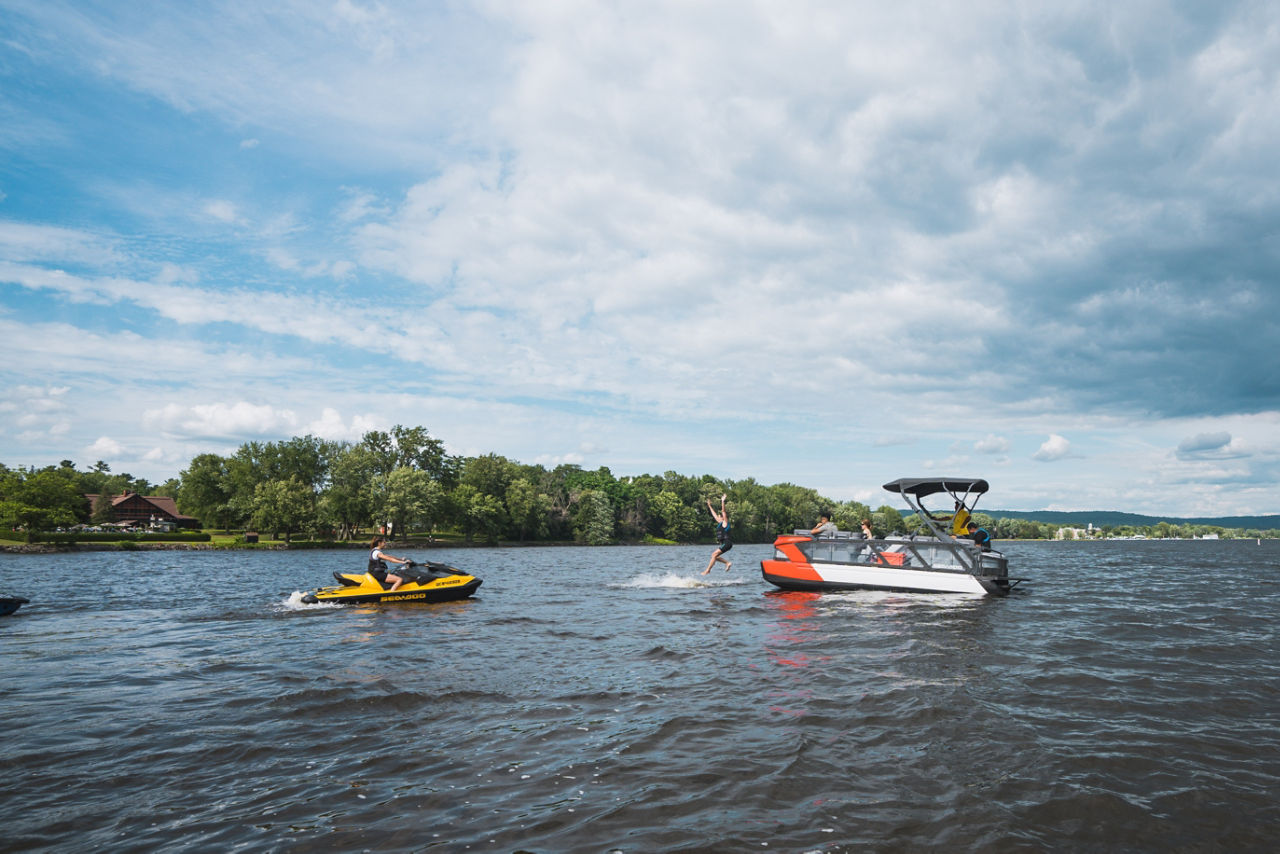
[(23, 242), (330, 425), (221, 420), (248, 143), (553, 460), (64, 350), (992, 444), (105, 448), (34, 414), (307, 316), (1203, 442), (221, 210), (362, 204), (1210, 446), (27, 399), (1054, 448), (281, 258)]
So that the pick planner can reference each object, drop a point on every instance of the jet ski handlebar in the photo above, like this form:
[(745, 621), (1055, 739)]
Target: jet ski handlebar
[(433, 566)]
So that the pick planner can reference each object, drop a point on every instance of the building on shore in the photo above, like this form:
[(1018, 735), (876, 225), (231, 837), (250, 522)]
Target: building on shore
[(157, 512)]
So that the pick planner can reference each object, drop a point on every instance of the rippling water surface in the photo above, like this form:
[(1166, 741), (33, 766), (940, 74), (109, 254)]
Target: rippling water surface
[(612, 699)]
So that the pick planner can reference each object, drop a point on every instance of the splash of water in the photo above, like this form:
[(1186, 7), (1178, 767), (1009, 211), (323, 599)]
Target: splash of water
[(677, 581), (294, 603)]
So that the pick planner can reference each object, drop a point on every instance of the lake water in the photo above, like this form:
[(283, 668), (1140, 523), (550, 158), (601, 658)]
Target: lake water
[(1126, 698)]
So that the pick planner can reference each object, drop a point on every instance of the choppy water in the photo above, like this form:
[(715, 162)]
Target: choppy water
[(611, 699)]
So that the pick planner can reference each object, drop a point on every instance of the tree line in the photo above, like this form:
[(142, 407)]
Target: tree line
[(403, 481)]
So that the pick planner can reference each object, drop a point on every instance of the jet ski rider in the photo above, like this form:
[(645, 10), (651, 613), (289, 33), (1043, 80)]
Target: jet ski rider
[(378, 563)]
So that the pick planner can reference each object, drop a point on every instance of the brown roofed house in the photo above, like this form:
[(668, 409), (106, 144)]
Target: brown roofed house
[(142, 510)]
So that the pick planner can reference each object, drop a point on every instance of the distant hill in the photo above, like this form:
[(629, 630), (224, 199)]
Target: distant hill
[(1081, 518)]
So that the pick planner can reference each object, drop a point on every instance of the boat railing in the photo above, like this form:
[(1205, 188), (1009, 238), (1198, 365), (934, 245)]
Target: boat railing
[(928, 553)]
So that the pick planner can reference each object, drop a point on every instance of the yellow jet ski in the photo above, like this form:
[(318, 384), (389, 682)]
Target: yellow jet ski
[(423, 582)]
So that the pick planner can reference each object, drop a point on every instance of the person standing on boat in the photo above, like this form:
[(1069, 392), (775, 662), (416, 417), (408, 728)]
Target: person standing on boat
[(722, 536), (378, 563), (825, 526), (959, 520), (866, 530)]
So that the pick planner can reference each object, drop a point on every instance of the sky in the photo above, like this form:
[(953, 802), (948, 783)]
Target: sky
[(824, 243)]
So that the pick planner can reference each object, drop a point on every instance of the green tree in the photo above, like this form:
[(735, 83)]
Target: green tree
[(304, 457), (593, 518), (848, 516), (678, 520), (43, 500), (476, 512), (419, 450), (413, 499), (412, 447), (102, 512), (746, 520), (348, 503), (491, 474), (887, 520), (205, 490), (283, 505), (799, 506), (486, 516), (527, 509)]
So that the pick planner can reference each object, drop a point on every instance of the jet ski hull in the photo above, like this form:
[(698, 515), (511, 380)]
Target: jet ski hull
[(9, 604), (364, 589)]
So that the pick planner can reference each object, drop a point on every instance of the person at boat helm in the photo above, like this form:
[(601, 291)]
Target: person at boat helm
[(378, 564), (979, 536), (825, 526), (959, 520)]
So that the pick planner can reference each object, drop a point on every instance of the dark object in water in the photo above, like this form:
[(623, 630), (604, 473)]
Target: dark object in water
[(9, 604)]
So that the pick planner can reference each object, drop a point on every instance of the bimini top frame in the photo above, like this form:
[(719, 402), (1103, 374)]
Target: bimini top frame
[(965, 490)]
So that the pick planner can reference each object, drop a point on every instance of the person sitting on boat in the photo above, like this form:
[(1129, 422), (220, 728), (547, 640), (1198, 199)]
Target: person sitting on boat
[(980, 536), (825, 527), (722, 536), (378, 564)]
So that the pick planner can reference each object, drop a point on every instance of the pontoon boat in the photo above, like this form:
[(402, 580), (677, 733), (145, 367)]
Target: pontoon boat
[(939, 562)]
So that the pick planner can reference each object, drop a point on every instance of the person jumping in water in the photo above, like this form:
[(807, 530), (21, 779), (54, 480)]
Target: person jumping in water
[(722, 536)]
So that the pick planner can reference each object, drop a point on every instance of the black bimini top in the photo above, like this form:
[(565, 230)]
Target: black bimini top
[(922, 486)]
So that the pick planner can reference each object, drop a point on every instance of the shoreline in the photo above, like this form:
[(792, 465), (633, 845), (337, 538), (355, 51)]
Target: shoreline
[(311, 545), (276, 546)]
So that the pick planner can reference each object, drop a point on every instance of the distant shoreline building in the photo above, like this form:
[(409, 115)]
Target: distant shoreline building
[(147, 511), (1075, 533)]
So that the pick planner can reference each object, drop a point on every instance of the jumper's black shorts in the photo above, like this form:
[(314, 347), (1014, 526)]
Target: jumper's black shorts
[(725, 546)]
